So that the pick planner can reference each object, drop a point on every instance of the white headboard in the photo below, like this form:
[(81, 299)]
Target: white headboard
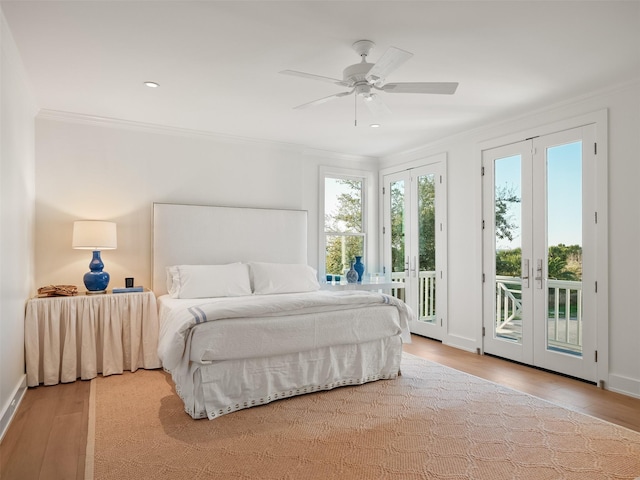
[(209, 235)]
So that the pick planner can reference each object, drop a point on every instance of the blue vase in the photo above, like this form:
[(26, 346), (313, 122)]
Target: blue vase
[(359, 267)]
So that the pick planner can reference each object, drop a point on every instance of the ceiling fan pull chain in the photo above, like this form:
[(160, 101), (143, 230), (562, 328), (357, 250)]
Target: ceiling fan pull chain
[(355, 110)]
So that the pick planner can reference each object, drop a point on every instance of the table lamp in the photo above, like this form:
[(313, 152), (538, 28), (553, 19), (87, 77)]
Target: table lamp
[(95, 235)]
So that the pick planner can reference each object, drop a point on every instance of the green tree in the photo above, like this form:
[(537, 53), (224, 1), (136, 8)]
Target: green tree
[(504, 198), (348, 217), (342, 248), (426, 224), (397, 227), (508, 262), (565, 262)]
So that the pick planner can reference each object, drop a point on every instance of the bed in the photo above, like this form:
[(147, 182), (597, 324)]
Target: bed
[(243, 320)]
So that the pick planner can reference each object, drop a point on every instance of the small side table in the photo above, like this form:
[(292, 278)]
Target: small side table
[(382, 286), (67, 338)]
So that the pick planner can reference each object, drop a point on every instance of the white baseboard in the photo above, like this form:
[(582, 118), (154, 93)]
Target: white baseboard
[(10, 409), (625, 385)]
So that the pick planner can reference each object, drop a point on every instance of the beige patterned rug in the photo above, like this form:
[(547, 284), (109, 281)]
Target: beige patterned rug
[(433, 422)]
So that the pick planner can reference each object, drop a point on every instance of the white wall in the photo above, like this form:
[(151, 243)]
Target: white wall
[(17, 108), (91, 169), (112, 172), (115, 172), (464, 213)]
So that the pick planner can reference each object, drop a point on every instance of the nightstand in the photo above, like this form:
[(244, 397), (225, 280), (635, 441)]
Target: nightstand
[(79, 336)]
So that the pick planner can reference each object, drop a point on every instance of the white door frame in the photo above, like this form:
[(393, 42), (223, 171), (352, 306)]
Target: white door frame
[(599, 192), (438, 166)]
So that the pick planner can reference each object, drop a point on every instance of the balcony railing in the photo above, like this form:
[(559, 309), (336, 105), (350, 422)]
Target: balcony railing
[(426, 293), (564, 313)]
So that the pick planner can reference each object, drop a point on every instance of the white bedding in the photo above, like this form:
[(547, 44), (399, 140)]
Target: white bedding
[(217, 348), (228, 339), (218, 391), (178, 317)]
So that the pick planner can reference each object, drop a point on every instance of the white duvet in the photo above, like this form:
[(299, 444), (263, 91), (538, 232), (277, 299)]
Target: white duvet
[(176, 324)]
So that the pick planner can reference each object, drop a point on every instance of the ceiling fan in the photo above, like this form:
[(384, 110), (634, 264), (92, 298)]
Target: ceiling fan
[(366, 79)]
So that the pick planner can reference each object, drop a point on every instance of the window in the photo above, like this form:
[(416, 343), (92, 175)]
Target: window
[(344, 231)]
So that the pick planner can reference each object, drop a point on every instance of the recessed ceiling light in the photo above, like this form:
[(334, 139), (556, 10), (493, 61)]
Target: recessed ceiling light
[(375, 125), (152, 84)]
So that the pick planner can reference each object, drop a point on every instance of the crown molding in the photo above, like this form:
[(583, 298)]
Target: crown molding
[(477, 132), (94, 120)]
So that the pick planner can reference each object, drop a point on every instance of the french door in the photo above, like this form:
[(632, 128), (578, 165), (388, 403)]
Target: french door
[(415, 243), (539, 252)]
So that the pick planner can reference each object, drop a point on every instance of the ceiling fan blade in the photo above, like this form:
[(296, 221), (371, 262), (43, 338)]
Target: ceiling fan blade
[(390, 61), (311, 76), (323, 100), (375, 105), (445, 88)]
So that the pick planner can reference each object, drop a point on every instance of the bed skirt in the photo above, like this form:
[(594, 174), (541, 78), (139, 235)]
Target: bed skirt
[(224, 387)]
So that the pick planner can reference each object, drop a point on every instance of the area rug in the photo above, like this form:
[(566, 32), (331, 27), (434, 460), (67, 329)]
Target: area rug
[(433, 422)]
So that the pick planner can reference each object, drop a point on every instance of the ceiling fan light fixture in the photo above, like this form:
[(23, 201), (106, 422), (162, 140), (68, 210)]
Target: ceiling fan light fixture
[(152, 84), (363, 90)]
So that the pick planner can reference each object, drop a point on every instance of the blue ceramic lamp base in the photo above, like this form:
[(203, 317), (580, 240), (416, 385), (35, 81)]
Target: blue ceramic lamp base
[(96, 281)]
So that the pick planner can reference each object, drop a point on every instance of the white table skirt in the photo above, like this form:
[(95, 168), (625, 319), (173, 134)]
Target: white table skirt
[(67, 338)]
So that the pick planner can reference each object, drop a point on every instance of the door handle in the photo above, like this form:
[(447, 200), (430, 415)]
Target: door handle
[(525, 273), (413, 268), (539, 273), (406, 266)]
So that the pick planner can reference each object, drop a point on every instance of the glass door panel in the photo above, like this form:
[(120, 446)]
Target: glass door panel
[(564, 251), (565, 336), (507, 202), (427, 248), (507, 252), (397, 229)]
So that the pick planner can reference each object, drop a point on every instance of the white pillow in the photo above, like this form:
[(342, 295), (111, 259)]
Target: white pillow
[(205, 281), (271, 278)]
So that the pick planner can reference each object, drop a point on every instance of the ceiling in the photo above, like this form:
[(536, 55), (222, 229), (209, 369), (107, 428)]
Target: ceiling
[(218, 63)]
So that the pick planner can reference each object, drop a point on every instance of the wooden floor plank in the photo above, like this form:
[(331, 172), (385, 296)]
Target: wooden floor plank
[(61, 456), (82, 441), (24, 460)]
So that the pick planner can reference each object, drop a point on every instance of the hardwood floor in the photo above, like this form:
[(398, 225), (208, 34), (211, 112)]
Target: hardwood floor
[(47, 438), (575, 394)]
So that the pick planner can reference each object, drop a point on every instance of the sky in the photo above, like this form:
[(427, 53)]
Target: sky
[(564, 191)]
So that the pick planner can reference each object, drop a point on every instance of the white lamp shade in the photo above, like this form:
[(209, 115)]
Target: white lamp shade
[(94, 235)]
